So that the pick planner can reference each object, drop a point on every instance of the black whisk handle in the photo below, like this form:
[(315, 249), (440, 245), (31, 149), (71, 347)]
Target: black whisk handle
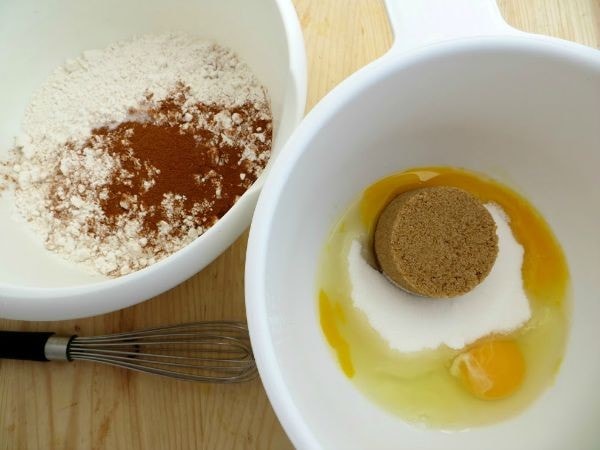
[(28, 345)]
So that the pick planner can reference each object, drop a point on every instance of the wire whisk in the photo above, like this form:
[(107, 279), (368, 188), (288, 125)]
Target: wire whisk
[(214, 352)]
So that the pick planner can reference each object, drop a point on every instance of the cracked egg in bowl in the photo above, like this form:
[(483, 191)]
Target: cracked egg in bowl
[(451, 363)]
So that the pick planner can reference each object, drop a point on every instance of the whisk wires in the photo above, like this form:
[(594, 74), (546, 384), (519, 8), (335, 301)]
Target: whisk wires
[(201, 351)]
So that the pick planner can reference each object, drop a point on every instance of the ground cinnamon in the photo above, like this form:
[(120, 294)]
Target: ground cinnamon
[(206, 175), (176, 170)]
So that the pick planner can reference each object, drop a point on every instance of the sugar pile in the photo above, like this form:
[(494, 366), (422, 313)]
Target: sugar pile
[(410, 323)]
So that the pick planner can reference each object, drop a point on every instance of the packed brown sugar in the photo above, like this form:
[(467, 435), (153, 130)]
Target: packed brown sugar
[(436, 241)]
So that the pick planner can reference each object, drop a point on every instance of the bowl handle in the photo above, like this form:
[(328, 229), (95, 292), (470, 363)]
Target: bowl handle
[(416, 23)]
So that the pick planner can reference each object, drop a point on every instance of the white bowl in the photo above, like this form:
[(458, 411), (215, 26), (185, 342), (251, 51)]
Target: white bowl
[(524, 109), (39, 36)]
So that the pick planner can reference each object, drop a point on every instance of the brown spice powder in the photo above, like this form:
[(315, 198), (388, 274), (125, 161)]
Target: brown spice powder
[(182, 163), (176, 171)]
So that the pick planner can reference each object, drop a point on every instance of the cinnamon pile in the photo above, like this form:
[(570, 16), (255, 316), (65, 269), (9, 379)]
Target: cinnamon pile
[(152, 184)]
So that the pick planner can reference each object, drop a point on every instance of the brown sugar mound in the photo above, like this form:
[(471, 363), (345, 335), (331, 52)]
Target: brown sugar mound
[(436, 242)]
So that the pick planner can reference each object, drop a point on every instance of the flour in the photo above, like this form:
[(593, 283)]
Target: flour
[(100, 87), (63, 171)]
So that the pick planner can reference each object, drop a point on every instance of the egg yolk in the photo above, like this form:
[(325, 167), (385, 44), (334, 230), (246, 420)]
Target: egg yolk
[(490, 370)]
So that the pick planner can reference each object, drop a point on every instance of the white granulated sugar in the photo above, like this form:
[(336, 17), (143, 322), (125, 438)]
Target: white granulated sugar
[(410, 323)]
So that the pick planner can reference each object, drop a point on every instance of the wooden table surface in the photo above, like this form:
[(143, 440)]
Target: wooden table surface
[(86, 406)]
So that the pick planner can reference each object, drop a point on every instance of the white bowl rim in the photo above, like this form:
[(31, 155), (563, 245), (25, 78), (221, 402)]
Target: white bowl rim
[(256, 271)]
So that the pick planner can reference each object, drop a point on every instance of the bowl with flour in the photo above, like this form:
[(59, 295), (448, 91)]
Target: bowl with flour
[(134, 143)]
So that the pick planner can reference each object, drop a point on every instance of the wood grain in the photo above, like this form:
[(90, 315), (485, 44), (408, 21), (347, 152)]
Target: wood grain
[(83, 406)]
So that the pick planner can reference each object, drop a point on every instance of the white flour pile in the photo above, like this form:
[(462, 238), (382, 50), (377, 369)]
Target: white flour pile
[(100, 87), (169, 79)]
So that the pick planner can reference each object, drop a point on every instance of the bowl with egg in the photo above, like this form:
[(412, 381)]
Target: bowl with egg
[(421, 264), (134, 142)]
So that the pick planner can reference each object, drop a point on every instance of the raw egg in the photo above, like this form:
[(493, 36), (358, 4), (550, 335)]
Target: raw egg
[(491, 370), (484, 381)]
